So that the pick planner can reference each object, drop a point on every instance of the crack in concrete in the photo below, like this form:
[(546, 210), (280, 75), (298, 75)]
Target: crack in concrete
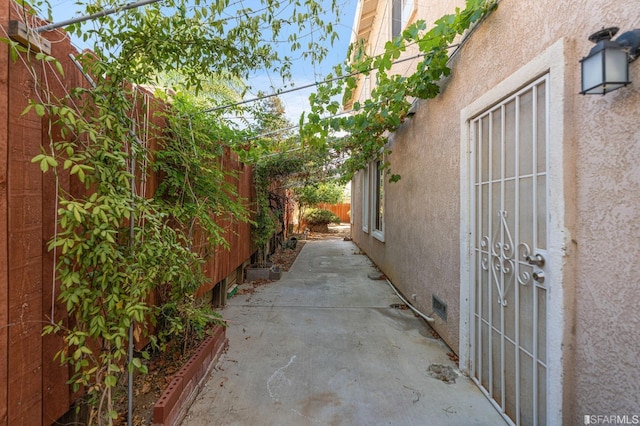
[(280, 380)]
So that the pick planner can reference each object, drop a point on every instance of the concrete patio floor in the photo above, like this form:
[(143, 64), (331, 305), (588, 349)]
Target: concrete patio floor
[(323, 346)]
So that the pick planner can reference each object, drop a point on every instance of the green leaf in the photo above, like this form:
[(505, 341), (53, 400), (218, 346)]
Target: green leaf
[(39, 108), (26, 110), (76, 214), (59, 68), (110, 381), (38, 158)]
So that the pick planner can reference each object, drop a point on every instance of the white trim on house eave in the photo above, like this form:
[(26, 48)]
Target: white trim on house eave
[(364, 19)]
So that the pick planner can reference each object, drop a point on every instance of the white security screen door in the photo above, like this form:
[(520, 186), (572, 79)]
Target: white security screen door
[(508, 357)]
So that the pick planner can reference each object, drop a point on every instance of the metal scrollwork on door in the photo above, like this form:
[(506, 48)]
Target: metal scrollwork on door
[(524, 252), (502, 257)]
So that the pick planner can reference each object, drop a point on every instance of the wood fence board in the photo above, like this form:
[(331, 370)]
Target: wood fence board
[(24, 255), (223, 262), (4, 281), (25, 397), (343, 210), (56, 398)]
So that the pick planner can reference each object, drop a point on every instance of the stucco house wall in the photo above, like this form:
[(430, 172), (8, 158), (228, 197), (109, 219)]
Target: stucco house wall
[(600, 329)]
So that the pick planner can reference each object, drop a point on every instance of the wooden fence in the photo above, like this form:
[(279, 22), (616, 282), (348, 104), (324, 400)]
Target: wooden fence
[(33, 386), (343, 210)]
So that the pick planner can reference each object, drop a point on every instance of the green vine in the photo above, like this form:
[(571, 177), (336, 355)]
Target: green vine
[(115, 248), (109, 241), (387, 107), (196, 191), (271, 172)]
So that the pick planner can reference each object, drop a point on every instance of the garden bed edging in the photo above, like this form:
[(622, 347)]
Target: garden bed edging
[(269, 272), (176, 399)]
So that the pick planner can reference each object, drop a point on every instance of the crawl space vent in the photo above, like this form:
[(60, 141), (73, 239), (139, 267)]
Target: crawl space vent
[(439, 307)]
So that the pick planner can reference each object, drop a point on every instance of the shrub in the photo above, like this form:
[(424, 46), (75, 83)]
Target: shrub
[(320, 217)]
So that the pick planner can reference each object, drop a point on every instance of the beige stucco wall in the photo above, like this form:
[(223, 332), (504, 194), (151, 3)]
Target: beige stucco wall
[(607, 243), (421, 252)]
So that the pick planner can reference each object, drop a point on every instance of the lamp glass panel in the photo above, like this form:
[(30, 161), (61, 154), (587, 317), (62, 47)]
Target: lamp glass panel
[(592, 74), (616, 66)]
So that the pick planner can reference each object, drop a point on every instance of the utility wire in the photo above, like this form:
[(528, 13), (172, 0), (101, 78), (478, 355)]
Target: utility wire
[(286, 129), (317, 83), (259, 98), (134, 5), (96, 15), (137, 4)]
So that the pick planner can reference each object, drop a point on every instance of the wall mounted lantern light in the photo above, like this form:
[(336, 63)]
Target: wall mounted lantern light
[(606, 68)]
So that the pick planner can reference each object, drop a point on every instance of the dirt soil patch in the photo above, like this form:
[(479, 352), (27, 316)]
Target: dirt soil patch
[(148, 388), (342, 231), (284, 258)]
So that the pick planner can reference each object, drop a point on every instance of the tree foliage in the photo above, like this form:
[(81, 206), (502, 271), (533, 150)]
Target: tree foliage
[(320, 217), (324, 192), (201, 38), (116, 247), (386, 108)]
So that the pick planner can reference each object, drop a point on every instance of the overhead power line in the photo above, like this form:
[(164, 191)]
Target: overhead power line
[(317, 83), (137, 4), (96, 15), (286, 129), (281, 92)]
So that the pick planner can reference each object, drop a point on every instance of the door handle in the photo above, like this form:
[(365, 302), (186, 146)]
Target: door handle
[(536, 260), (538, 276)]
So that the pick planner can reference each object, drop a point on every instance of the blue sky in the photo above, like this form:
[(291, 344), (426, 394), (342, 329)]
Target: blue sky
[(303, 71)]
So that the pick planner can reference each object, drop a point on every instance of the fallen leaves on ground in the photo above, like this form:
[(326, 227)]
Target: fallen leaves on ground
[(284, 258)]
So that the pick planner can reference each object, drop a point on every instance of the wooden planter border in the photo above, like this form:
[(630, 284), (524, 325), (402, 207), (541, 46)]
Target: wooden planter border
[(176, 399)]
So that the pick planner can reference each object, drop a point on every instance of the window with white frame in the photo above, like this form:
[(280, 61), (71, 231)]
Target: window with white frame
[(365, 198), (377, 200)]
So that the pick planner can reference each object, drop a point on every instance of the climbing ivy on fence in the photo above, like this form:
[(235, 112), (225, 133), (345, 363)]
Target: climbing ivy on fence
[(200, 195), (116, 247), (270, 175)]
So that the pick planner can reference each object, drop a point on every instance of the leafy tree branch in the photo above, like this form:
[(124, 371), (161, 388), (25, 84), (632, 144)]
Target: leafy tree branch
[(387, 106)]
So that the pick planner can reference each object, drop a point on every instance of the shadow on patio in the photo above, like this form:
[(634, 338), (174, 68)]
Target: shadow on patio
[(326, 346)]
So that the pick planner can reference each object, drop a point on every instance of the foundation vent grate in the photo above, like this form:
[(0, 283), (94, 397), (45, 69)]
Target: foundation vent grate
[(439, 307)]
